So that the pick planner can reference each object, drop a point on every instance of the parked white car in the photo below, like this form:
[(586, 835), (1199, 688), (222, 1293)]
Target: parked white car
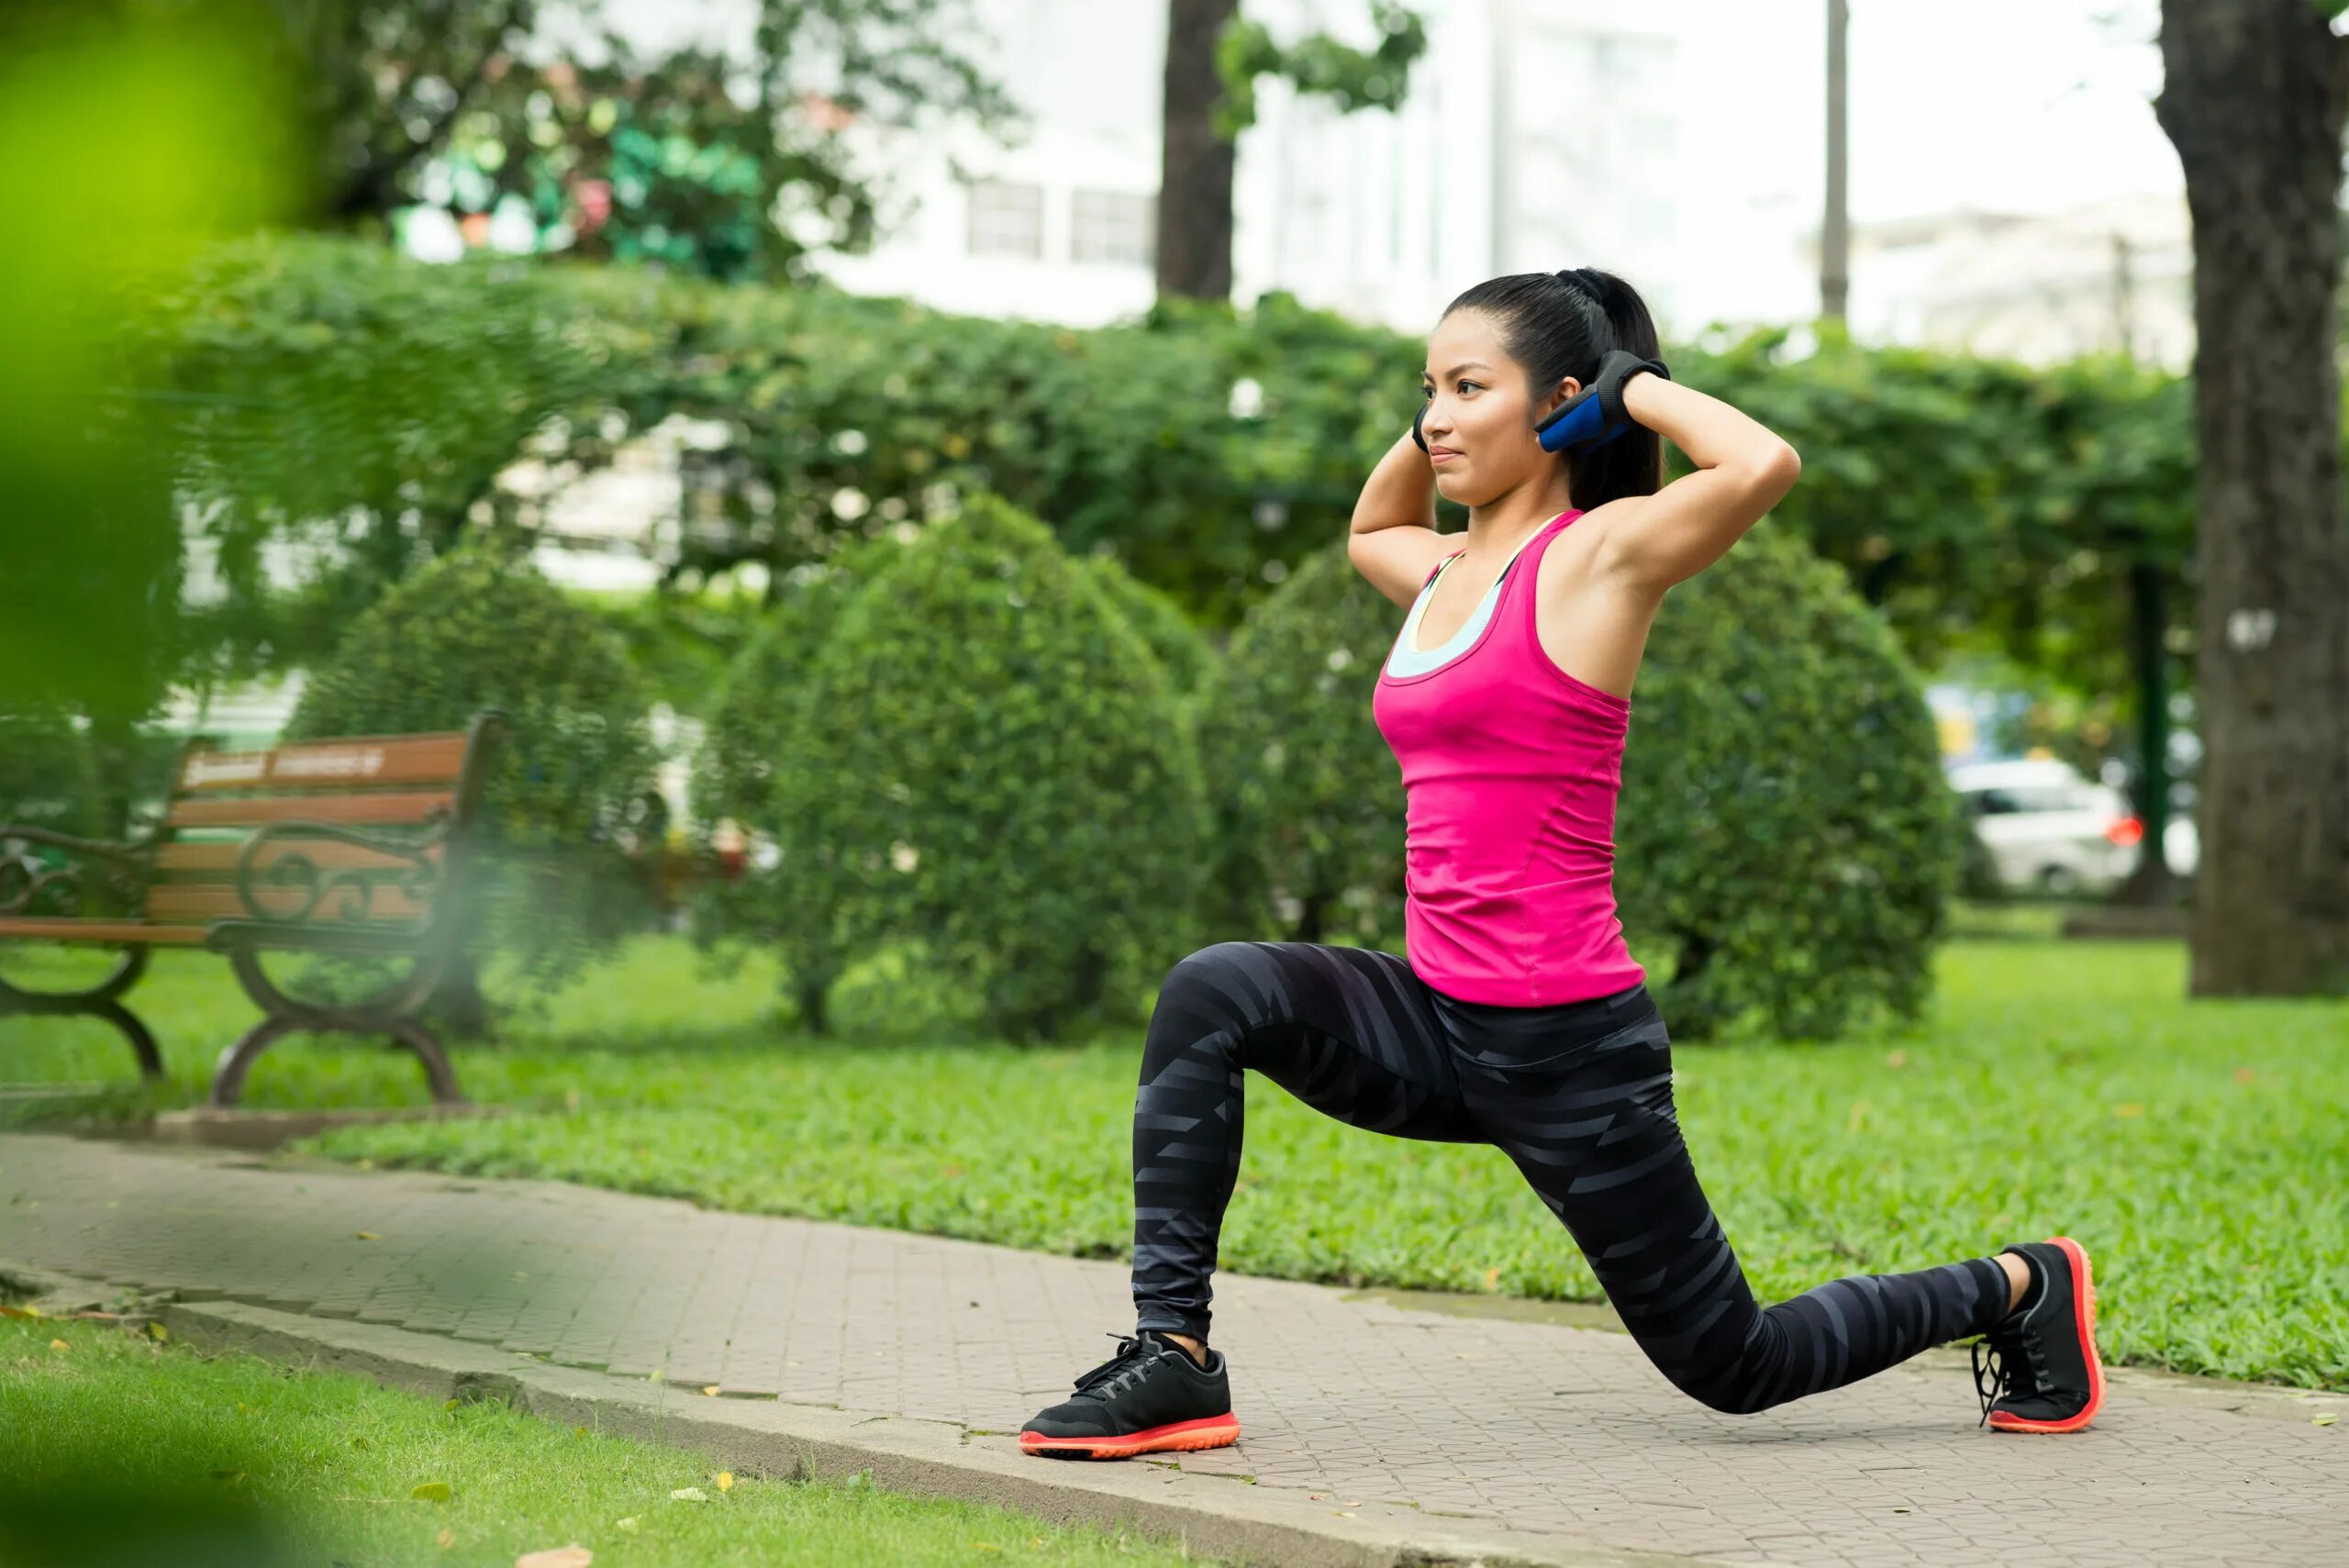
[(2049, 830)]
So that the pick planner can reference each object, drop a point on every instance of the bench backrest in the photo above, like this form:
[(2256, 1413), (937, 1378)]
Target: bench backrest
[(357, 830)]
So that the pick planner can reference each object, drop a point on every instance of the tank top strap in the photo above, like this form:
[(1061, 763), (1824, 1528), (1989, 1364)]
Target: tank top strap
[(1528, 566)]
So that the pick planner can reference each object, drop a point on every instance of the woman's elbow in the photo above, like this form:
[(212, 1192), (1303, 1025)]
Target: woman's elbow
[(1776, 470)]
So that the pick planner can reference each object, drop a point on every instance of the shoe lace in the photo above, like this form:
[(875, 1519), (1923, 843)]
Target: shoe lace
[(1133, 1362), (2008, 1365)]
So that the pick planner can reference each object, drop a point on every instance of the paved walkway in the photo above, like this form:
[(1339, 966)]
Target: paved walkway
[(1564, 1432)]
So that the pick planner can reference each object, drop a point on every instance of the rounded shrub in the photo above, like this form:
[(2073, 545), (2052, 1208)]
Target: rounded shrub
[(1158, 620), (571, 787), (756, 732), (1787, 841), (1308, 808), (994, 767)]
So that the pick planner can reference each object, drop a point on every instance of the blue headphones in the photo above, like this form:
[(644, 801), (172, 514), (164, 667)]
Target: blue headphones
[(1590, 419)]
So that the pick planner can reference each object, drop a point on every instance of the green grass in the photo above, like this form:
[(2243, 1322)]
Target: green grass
[(2197, 1148), (150, 1453)]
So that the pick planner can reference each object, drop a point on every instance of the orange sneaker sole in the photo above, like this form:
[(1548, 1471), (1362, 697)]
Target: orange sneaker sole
[(2083, 1311), (1208, 1431)]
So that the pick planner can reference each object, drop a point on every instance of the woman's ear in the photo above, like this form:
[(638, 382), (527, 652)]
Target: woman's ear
[(1567, 391)]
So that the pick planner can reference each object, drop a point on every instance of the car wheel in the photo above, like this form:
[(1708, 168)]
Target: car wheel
[(2059, 881)]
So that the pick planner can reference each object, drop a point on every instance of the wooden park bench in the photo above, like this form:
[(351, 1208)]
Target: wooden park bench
[(356, 847)]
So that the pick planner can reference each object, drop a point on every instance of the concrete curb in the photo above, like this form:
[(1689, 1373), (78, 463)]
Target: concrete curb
[(1214, 1515)]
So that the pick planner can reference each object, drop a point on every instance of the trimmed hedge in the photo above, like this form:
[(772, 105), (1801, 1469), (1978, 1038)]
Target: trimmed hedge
[(757, 732), (1788, 841), (993, 768), (1308, 801)]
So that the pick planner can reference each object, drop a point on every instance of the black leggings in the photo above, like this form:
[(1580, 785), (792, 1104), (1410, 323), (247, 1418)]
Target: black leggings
[(1578, 1095)]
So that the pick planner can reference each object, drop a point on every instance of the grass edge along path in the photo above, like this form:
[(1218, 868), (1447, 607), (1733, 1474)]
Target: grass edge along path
[(230, 1459)]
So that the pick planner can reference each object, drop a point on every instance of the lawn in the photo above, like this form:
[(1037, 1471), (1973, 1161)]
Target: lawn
[(2199, 1149), (151, 1453)]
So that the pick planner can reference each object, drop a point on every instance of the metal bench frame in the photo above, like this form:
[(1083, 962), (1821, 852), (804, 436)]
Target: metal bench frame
[(333, 904)]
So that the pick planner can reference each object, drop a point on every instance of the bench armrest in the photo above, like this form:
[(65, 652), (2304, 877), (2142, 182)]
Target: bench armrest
[(126, 866)]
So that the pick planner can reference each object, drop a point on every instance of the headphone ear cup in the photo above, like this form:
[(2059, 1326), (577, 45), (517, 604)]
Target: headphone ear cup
[(1414, 425)]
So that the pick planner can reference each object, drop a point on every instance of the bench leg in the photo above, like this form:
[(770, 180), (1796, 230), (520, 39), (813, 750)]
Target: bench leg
[(229, 1077), (150, 1061), (100, 1001), (437, 1071)]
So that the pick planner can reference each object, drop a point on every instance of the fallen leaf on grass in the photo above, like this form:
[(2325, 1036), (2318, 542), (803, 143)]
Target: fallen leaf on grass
[(689, 1495), (1492, 1278), (156, 1330), (2244, 1075), (630, 1524), (710, 1389), (572, 1556), (2131, 1108), (446, 1540), (2324, 1420), (431, 1492), (368, 1235), (18, 1312), (59, 1345), (726, 1480)]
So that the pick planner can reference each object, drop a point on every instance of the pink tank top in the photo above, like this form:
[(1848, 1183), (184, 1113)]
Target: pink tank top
[(1512, 769)]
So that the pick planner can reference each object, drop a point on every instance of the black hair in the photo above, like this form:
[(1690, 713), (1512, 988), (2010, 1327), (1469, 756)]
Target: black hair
[(1562, 324)]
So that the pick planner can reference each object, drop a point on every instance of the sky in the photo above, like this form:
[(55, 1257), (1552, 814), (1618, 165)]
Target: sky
[(2023, 105)]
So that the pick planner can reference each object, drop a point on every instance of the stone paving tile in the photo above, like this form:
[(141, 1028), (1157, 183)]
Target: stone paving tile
[(1538, 1428)]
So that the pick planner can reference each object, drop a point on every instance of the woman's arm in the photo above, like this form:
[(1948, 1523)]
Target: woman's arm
[(1743, 471), (1393, 542), (1401, 490)]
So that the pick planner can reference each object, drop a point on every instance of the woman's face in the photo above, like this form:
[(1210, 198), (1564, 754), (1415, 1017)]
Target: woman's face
[(1479, 421)]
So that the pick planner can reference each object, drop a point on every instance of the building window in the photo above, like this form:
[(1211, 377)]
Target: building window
[(1112, 225), (1007, 220)]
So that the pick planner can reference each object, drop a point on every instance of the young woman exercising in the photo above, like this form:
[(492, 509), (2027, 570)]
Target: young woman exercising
[(1518, 1018)]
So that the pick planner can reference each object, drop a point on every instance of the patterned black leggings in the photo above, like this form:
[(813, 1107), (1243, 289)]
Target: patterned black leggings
[(1578, 1095)]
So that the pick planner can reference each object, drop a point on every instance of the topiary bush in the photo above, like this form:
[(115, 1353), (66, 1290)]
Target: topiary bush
[(1158, 620), (756, 732), (1309, 802), (571, 786), (1788, 841), (993, 768)]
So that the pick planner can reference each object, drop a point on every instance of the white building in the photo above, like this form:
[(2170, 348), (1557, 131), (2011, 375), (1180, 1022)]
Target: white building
[(2103, 276), (1539, 134)]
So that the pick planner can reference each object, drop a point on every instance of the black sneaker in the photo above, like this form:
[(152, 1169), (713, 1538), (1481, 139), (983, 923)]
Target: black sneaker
[(1150, 1395), (2044, 1374)]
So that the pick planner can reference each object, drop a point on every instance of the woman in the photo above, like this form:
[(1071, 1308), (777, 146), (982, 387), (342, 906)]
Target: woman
[(1518, 1018)]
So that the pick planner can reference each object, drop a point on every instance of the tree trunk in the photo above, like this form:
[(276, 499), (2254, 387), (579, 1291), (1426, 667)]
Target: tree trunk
[(1195, 169), (2253, 98)]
